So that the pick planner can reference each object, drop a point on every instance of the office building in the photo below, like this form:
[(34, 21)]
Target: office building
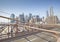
[(38, 18), (52, 19), (22, 19), (47, 14), (13, 17), (30, 16)]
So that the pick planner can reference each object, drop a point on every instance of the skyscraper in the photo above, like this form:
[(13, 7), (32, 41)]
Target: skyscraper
[(51, 11), (22, 19), (26, 18), (30, 16), (12, 16), (52, 19), (47, 14), (37, 17)]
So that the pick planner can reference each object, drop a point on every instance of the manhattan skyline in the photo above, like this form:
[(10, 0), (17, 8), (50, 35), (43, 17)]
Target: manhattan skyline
[(36, 7)]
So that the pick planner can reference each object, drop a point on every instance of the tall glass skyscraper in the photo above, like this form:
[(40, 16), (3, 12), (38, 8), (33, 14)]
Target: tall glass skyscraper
[(37, 17), (12, 16), (47, 14), (22, 19), (26, 19), (30, 16), (51, 11)]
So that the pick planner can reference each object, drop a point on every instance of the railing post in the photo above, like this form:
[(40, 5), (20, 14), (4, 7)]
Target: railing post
[(8, 32), (11, 31)]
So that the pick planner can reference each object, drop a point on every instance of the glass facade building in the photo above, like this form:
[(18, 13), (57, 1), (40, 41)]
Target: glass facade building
[(12, 16)]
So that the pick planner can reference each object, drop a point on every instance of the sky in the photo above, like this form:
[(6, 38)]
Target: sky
[(36, 7)]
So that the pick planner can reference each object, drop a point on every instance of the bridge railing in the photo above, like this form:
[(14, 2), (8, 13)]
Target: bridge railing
[(27, 27)]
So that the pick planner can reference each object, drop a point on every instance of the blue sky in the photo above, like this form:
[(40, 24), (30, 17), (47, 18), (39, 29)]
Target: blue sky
[(36, 7)]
